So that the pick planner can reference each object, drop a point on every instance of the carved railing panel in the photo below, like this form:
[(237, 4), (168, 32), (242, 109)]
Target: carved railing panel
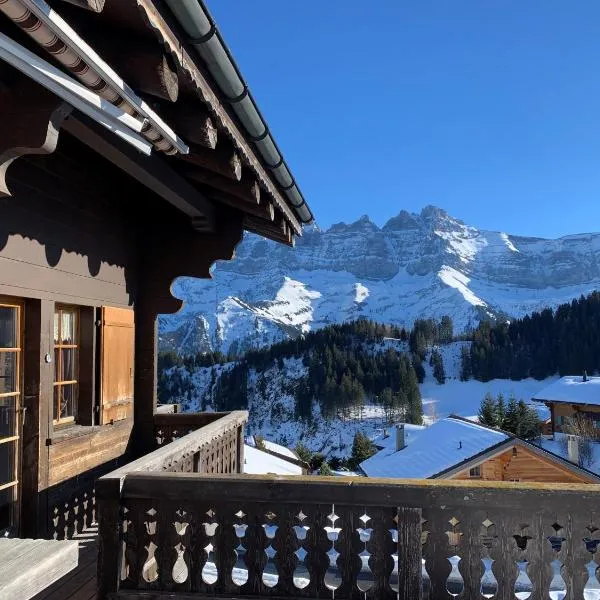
[(369, 539)]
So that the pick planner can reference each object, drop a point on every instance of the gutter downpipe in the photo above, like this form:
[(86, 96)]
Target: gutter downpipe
[(194, 18)]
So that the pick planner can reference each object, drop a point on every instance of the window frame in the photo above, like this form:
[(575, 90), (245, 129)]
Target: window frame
[(475, 472), (16, 439), (58, 309)]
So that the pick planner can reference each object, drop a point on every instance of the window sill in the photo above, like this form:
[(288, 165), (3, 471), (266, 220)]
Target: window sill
[(72, 431)]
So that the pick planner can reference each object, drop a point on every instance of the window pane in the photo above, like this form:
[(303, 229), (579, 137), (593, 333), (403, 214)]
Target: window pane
[(67, 327), (55, 404), (8, 372), (7, 462), (68, 365), (7, 416), (8, 327), (7, 504), (67, 401)]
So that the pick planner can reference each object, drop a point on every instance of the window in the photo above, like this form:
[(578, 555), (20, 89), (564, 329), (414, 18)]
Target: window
[(475, 472), (11, 320), (66, 363)]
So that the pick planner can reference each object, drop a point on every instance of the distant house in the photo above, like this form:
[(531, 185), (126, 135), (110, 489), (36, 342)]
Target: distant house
[(569, 396), (456, 448)]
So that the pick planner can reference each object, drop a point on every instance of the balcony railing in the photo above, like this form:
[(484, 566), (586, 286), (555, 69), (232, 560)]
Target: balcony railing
[(172, 535)]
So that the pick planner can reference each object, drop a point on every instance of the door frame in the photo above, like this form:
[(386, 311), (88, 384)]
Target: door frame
[(17, 438)]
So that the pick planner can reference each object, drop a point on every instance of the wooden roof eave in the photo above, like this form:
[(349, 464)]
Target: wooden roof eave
[(178, 53)]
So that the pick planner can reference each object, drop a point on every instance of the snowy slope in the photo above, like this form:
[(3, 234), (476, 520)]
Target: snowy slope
[(416, 265), (272, 406)]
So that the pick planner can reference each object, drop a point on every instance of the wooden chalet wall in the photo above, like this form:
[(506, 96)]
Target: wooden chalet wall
[(564, 410), (64, 238), (75, 230), (526, 466)]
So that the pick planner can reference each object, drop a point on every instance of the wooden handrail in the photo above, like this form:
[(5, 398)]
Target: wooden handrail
[(216, 447), (164, 457), (258, 536)]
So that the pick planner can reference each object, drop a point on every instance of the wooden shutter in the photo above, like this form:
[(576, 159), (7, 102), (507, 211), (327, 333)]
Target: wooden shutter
[(116, 364)]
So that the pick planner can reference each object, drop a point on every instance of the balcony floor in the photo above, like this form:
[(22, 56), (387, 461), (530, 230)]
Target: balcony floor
[(79, 584)]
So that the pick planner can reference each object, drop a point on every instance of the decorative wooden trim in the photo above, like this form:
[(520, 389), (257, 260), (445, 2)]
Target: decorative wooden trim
[(30, 120), (264, 211), (194, 121), (246, 191), (172, 44), (222, 160)]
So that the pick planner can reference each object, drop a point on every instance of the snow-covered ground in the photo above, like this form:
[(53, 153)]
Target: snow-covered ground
[(463, 397), (272, 402)]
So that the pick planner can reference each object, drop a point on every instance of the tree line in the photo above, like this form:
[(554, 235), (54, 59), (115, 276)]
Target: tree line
[(349, 365), (564, 341)]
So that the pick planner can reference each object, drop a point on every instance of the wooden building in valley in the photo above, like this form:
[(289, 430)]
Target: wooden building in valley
[(457, 448), (131, 153), (572, 397)]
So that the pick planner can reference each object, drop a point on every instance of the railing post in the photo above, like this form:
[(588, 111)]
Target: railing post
[(240, 449), (108, 496)]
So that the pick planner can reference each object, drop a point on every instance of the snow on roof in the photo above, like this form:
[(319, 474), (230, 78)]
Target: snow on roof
[(273, 447), (572, 389), (387, 438), (257, 462), (441, 446)]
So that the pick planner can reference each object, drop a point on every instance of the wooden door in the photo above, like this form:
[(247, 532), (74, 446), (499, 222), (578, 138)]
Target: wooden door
[(11, 343), (117, 340)]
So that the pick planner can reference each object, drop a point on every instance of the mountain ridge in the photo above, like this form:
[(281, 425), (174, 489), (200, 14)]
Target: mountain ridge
[(415, 265)]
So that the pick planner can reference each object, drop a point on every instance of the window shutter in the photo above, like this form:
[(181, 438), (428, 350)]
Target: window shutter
[(117, 340)]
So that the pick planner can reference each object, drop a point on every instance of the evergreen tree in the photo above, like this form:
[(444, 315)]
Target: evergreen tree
[(500, 410), (438, 367), (529, 422), (446, 329), (304, 454), (510, 422), (362, 448), (466, 371), (325, 469), (488, 413)]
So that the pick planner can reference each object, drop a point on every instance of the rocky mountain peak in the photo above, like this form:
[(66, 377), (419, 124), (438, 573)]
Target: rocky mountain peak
[(415, 266)]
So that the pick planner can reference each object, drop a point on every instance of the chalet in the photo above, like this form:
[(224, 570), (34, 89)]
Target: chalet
[(571, 396), (459, 449), (132, 152)]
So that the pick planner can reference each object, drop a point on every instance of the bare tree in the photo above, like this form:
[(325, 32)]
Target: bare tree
[(583, 429)]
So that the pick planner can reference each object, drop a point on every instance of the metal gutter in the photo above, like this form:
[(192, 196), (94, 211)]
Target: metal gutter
[(47, 28), (196, 21)]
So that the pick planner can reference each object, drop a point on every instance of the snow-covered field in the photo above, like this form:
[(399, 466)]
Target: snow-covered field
[(463, 397)]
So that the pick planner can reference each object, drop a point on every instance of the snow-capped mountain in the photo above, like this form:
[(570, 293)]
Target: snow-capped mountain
[(415, 266)]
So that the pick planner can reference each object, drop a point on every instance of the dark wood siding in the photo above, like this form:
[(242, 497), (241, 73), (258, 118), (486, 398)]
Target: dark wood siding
[(61, 241)]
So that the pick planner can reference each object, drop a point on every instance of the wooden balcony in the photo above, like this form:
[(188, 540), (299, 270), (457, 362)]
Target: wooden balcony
[(168, 531)]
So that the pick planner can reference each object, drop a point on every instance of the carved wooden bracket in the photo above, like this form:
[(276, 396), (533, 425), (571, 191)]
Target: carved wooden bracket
[(175, 253), (30, 119)]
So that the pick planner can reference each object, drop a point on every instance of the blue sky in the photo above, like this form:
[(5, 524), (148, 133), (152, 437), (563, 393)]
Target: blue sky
[(487, 108)]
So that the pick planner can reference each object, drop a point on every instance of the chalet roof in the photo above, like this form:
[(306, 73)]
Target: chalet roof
[(165, 65), (455, 444), (257, 462), (434, 449), (571, 389)]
